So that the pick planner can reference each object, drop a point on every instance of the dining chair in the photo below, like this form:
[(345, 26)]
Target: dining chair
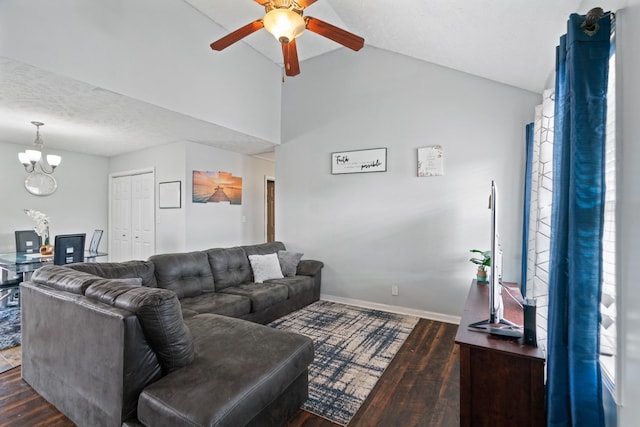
[(27, 241), (95, 241), (68, 248)]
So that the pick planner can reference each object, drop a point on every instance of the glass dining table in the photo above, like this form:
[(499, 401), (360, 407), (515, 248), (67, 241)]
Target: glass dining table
[(27, 263)]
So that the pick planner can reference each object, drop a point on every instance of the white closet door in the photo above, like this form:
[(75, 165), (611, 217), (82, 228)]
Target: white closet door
[(120, 248), (132, 217), (142, 218)]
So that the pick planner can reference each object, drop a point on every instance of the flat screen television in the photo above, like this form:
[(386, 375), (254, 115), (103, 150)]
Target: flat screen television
[(495, 324)]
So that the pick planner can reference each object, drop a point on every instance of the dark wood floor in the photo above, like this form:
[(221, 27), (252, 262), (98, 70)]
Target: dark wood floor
[(419, 388)]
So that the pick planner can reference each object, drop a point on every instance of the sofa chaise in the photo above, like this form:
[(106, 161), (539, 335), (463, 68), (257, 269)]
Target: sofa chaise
[(172, 341)]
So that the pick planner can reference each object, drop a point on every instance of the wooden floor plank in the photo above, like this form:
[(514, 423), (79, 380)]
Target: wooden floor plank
[(419, 388)]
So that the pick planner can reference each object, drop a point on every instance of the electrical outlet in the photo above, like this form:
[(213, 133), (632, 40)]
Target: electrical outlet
[(394, 291)]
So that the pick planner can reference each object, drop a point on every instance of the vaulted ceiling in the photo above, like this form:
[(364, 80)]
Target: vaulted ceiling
[(508, 41)]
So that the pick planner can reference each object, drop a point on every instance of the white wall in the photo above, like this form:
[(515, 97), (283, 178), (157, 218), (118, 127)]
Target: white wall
[(201, 226), (154, 51), (628, 95), (218, 224), (393, 228), (168, 162), (78, 206)]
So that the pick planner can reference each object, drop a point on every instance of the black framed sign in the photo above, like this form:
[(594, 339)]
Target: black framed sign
[(359, 161), (170, 195)]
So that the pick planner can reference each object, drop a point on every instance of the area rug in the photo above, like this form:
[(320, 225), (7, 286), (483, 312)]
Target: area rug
[(9, 326), (353, 346)]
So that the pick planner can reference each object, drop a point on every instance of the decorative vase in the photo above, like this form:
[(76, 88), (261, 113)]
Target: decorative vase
[(46, 250), (481, 275)]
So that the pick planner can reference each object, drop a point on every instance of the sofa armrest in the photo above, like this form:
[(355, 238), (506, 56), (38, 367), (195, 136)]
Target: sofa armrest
[(309, 267)]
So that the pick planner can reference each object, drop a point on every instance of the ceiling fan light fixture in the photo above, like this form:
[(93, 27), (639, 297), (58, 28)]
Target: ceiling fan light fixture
[(284, 24)]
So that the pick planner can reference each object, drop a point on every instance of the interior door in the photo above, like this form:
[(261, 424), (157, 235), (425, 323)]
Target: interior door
[(142, 216), (120, 233), (271, 210)]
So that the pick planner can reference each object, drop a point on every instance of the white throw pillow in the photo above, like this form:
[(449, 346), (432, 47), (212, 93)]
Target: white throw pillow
[(265, 267)]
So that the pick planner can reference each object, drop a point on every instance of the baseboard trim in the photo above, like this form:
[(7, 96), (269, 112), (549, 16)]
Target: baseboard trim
[(393, 309)]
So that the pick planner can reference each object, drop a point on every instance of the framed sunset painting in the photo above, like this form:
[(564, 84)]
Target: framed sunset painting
[(217, 187)]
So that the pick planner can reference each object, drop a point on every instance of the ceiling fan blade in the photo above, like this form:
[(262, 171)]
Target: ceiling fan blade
[(305, 3), (238, 34), (290, 55), (334, 33)]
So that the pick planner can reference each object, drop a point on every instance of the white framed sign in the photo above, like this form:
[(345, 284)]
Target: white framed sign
[(431, 161), (359, 161)]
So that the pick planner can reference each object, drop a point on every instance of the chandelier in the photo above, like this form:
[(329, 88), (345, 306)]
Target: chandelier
[(32, 158)]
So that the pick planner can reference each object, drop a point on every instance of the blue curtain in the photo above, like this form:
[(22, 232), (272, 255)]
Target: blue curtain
[(527, 205), (574, 394)]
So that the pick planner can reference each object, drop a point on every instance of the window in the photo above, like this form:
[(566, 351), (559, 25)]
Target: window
[(608, 335)]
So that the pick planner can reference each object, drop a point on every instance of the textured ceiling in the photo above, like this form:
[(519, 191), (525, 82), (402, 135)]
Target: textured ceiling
[(508, 41), (87, 119)]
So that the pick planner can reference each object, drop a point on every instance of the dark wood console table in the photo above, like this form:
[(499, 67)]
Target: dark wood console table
[(501, 379)]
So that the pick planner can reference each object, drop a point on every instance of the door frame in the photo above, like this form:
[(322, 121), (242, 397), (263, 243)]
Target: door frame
[(267, 179), (113, 175)]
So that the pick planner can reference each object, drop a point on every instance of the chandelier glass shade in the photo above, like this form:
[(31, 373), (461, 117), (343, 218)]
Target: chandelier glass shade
[(32, 160), (284, 24)]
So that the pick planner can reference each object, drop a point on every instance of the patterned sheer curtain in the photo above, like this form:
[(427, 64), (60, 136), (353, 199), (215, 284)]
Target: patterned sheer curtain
[(537, 275)]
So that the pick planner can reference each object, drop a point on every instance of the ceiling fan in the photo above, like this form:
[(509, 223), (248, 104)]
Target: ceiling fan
[(284, 20)]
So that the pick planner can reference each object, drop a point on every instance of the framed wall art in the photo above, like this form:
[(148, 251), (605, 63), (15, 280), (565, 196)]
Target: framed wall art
[(431, 161), (359, 161), (170, 195), (217, 187)]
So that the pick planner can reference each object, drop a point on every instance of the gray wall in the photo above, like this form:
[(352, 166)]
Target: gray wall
[(393, 228), (78, 206)]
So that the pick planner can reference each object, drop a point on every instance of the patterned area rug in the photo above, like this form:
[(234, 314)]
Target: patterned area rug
[(9, 326), (353, 346)]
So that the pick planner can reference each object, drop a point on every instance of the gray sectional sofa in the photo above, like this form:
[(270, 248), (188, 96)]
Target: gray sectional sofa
[(172, 341)]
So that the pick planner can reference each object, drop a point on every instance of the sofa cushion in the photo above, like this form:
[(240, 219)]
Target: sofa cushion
[(309, 267), (143, 270), (297, 285), (262, 295), (217, 303), (265, 267), (107, 290), (230, 266), (160, 315), (239, 368), (186, 274), (63, 278), (264, 248), (289, 262)]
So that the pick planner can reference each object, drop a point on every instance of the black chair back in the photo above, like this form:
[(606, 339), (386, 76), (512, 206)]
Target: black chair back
[(95, 241), (69, 248), (27, 241)]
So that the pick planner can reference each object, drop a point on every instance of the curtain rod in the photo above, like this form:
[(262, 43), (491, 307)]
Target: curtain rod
[(590, 24)]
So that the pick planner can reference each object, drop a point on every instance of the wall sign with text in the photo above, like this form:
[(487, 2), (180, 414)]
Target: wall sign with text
[(360, 161)]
